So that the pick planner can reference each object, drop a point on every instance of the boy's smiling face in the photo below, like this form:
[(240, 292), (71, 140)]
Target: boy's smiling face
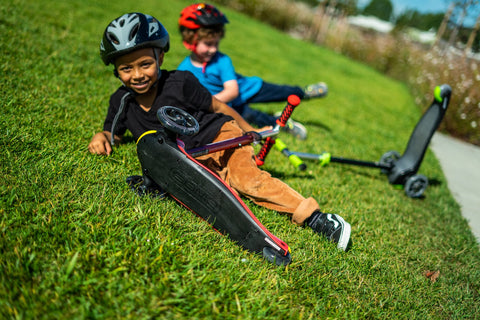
[(138, 70), (206, 48)]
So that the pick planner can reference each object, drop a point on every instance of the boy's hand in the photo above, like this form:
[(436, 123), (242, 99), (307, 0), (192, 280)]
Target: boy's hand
[(100, 144)]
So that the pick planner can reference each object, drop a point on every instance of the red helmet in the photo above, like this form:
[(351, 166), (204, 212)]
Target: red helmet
[(201, 15)]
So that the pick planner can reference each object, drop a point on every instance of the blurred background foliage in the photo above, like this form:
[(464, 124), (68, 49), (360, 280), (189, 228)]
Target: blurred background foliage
[(450, 56)]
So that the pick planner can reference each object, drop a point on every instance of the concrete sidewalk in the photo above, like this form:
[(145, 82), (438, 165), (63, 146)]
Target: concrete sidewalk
[(460, 163)]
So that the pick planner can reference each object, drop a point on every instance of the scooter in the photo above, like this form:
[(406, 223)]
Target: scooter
[(400, 169), (167, 166)]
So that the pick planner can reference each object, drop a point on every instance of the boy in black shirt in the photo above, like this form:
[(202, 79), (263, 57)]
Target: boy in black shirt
[(135, 44)]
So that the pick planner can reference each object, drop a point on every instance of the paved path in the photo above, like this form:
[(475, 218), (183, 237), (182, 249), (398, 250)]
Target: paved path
[(460, 163)]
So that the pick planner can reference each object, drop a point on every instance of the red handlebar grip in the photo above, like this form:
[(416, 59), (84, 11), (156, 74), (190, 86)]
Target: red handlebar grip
[(262, 154), (292, 102)]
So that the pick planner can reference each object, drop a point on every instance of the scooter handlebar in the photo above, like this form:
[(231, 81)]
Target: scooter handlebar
[(292, 102)]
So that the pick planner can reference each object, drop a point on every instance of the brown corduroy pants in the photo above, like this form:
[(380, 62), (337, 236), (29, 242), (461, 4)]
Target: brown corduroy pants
[(238, 169)]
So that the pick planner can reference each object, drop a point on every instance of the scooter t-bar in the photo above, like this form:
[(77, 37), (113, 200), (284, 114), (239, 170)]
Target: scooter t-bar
[(246, 139), (251, 137), (292, 102)]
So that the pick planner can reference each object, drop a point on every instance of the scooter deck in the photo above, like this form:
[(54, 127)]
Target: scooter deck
[(409, 163), (204, 193)]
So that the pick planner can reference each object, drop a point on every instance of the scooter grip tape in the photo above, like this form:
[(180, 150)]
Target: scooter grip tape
[(292, 102), (262, 154)]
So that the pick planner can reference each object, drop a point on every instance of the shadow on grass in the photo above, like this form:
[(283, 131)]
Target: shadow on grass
[(314, 123), (281, 174), (434, 182), (318, 124)]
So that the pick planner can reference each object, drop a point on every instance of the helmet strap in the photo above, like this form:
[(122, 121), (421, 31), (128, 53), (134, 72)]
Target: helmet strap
[(158, 65), (189, 46), (193, 47)]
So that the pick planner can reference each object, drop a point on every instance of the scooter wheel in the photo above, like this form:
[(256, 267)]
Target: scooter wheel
[(276, 258), (388, 159), (415, 185), (178, 121)]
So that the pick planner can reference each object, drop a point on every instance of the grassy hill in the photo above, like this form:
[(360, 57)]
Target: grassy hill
[(76, 243)]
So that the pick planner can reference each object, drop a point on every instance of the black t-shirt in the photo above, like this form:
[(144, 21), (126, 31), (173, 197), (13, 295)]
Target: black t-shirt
[(179, 89)]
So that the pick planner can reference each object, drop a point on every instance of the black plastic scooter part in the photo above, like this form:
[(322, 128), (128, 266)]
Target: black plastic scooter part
[(410, 161), (193, 185), (402, 170)]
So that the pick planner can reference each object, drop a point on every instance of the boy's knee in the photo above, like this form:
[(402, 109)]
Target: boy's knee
[(248, 183)]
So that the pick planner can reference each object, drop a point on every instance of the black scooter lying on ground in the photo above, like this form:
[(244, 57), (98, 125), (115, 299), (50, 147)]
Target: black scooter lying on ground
[(168, 167), (400, 169)]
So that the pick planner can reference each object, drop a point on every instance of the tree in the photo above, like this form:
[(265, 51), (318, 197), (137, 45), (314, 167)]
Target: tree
[(430, 20), (415, 19), (408, 18), (472, 36), (349, 7), (464, 6), (382, 9), (444, 23), (453, 36)]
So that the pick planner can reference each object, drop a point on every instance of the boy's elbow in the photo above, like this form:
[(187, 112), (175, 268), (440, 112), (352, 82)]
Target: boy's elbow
[(231, 89), (235, 92)]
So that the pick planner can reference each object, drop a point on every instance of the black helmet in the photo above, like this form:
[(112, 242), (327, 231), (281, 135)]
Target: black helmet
[(131, 32)]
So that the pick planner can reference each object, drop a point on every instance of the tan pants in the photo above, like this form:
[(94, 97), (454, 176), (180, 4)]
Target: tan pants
[(238, 169)]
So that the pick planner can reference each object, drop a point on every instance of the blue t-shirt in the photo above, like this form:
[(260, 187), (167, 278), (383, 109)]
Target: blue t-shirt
[(220, 70)]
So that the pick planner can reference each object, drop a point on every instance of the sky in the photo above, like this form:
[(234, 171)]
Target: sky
[(426, 6)]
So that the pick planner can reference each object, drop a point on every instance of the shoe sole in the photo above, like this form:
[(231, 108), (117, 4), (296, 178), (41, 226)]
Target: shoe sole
[(345, 235), (320, 91), (302, 129)]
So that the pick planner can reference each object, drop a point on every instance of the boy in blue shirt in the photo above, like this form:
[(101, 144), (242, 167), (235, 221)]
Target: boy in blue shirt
[(202, 28)]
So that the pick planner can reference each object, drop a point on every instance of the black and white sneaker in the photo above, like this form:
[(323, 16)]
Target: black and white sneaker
[(332, 226)]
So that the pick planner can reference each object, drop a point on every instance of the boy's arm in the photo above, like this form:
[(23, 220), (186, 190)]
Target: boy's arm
[(229, 92), (100, 143), (220, 107)]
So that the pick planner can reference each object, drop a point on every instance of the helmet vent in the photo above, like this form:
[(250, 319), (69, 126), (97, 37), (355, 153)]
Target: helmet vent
[(113, 38), (133, 32), (130, 32)]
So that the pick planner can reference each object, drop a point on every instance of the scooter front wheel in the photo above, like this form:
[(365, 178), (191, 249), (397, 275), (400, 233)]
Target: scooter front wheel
[(178, 120), (415, 186), (388, 159)]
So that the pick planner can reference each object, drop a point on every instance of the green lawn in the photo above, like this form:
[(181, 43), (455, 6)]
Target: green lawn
[(76, 243)]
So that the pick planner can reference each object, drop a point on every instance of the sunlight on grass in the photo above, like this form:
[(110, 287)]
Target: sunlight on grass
[(77, 243)]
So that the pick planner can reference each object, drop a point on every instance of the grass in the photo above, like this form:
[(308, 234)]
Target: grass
[(76, 243)]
